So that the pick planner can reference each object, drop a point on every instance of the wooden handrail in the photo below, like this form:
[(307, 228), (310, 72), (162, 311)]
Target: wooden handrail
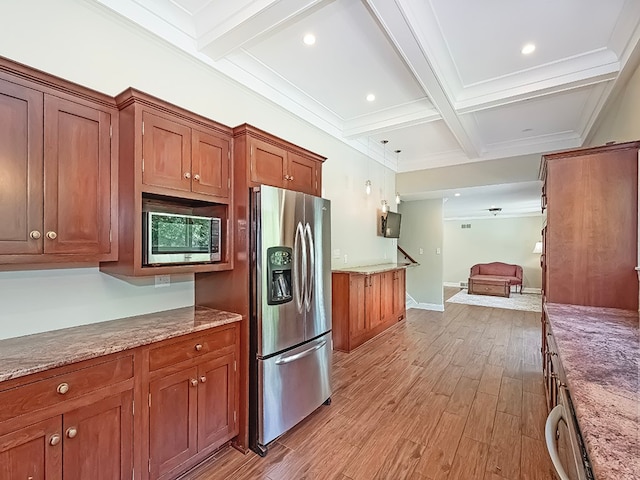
[(406, 255)]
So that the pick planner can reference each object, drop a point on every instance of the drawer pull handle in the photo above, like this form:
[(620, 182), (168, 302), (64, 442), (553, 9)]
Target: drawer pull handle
[(62, 388), (54, 440), (194, 382), (198, 347), (203, 379), (72, 432)]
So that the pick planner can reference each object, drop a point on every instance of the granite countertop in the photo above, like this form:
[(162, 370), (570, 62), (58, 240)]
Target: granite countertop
[(41, 351), (369, 269), (599, 349)]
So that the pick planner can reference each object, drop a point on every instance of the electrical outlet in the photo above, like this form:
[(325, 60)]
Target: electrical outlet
[(163, 281), (421, 251), (438, 251), (336, 253), (346, 259)]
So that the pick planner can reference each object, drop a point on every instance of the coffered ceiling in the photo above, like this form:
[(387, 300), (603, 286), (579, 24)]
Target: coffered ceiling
[(450, 82)]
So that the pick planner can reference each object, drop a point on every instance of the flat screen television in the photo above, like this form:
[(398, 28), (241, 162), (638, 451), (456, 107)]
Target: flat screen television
[(390, 224)]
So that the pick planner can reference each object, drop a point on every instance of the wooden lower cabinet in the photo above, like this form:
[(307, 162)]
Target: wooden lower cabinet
[(79, 421), (193, 404), (34, 451), (94, 440), (365, 304)]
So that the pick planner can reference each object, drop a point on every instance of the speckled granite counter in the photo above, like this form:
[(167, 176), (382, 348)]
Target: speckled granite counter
[(599, 349), (369, 269), (34, 353)]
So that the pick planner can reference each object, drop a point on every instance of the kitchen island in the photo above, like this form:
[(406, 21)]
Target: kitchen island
[(366, 301), (599, 349)]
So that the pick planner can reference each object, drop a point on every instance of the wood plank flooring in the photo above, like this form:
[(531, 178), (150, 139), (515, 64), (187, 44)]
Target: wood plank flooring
[(455, 395)]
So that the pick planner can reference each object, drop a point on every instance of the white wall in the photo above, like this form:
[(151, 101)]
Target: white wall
[(498, 239), (421, 228), (84, 42)]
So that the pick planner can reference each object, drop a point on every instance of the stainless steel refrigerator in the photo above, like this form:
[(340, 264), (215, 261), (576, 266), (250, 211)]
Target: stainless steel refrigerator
[(290, 310)]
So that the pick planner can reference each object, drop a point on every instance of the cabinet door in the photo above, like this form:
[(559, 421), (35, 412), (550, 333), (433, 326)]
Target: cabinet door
[(77, 178), (302, 174), (97, 439), (21, 167), (172, 420), (386, 296), (268, 163), (373, 300), (357, 306), (399, 294), (217, 402), (33, 452), (166, 153), (210, 164)]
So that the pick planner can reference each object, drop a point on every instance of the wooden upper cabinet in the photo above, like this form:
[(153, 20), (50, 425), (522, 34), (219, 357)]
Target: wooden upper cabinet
[(183, 155), (591, 236), (210, 164), (166, 153), (268, 163), (21, 189), (77, 172), (58, 158), (273, 161), (303, 174)]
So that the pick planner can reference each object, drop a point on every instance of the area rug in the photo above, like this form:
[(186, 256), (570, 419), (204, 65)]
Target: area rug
[(527, 301)]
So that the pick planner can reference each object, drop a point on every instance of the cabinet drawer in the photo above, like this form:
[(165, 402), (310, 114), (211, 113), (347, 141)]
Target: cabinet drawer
[(58, 388), (195, 346)]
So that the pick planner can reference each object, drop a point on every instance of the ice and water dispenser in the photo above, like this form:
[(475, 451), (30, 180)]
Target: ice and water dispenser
[(279, 275)]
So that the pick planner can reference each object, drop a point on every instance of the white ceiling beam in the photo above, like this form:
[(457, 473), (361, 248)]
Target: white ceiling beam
[(391, 119), (399, 26), (219, 38)]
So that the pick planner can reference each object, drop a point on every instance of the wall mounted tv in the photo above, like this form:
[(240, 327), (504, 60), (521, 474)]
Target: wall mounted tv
[(390, 224)]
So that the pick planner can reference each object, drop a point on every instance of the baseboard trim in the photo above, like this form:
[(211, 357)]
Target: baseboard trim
[(429, 306), (452, 284)]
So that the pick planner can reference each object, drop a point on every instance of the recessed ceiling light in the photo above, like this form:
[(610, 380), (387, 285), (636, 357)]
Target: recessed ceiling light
[(371, 97), (456, 194), (309, 39), (528, 48)]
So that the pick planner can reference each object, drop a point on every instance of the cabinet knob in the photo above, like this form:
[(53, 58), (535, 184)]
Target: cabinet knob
[(196, 177), (286, 177), (291, 178), (62, 388), (35, 234), (203, 379), (54, 440), (52, 235), (198, 347), (187, 175), (71, 432), (194, 382)]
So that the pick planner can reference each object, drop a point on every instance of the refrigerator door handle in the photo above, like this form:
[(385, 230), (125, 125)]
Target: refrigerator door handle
[(299, 287), (310, 274), (297, 356)]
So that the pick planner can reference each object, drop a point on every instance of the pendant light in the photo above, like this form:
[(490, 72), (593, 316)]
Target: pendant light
[(385, 205), (367, 184), (397, 164)]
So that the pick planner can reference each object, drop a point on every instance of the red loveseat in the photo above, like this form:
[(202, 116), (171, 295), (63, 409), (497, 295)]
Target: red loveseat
[(497, 271)]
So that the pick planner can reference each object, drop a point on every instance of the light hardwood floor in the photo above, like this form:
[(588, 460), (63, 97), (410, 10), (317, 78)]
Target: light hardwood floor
[(455, 395)]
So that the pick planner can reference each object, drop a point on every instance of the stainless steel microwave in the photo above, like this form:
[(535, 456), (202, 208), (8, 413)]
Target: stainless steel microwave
[(171, 238)]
